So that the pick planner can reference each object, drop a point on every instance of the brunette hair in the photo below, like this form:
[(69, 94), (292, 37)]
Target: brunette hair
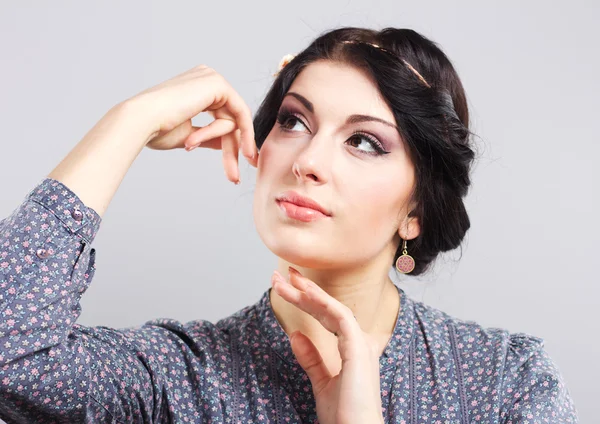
[(433, 118)]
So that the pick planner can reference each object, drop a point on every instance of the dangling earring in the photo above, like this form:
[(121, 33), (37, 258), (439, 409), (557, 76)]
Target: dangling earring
[(405, 263)]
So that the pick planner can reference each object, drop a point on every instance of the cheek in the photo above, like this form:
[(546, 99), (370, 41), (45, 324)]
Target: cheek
[(375, 201), (374, 211), (273, 161), (265, 157), (272, 169)]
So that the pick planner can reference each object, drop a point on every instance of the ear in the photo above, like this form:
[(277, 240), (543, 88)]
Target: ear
[(409, 228)]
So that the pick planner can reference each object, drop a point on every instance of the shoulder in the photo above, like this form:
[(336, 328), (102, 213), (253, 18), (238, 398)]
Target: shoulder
[(202, 334), (515, 364), (470, 336)]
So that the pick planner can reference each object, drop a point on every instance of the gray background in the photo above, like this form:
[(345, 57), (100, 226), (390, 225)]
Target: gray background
[(178, 240)]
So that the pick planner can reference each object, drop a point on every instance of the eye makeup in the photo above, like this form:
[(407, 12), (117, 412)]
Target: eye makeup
[(287, 118)]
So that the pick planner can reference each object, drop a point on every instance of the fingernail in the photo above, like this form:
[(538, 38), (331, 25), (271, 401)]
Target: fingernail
[(237, 182), (292, 269), (189, 149)]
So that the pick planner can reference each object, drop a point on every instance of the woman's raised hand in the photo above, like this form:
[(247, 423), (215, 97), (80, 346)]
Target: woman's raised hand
[(352, 396), (159, 118), (167, 109)]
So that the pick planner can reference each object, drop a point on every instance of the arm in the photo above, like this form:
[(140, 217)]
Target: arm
[(95, 168), (160, 118), (52, 370)]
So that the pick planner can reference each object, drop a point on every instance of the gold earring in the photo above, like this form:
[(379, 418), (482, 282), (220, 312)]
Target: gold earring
[(405, 263)]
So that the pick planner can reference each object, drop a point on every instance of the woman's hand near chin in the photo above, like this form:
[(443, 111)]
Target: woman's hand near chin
[(353, 396), (161, 119)]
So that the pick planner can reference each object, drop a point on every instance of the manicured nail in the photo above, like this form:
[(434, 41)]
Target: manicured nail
[(303, 283)]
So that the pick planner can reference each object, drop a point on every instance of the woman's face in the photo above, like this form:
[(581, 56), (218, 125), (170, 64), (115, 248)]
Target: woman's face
[(316, 150)]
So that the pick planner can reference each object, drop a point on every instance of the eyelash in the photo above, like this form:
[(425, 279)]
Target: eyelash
[(285, 114)]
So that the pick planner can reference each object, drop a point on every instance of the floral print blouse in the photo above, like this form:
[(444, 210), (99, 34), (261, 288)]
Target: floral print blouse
[(435, 368)]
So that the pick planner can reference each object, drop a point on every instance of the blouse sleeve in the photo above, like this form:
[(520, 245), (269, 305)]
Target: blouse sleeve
[(533, 388), (52, 369)]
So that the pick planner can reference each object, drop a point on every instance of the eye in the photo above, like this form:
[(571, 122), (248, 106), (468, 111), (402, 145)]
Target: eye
[(371, 145), (288, 121)]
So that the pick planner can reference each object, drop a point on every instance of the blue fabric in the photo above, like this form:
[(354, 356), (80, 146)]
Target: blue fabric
[(435, 368)]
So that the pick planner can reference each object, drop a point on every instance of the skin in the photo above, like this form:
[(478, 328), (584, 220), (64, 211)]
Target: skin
[(342, 261), (367, 196), (347, 256)]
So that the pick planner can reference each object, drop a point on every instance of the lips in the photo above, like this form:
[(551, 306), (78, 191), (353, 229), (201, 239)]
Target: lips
[(301, 207)]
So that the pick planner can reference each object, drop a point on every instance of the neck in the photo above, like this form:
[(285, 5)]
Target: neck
[(367, 291)]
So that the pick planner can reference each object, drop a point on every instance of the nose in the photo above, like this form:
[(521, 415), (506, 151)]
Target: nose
[(313, 163)]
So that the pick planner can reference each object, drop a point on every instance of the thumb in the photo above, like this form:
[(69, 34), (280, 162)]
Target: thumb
[(217, 128), (173, 139), (310, 359)]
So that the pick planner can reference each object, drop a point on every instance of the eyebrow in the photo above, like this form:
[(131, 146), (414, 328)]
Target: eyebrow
[(352, 119)]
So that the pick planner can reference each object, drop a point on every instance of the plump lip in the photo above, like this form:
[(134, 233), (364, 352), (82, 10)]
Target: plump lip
[(302, 201)]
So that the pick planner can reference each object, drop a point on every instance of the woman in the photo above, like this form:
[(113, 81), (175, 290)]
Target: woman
[(364, 162)]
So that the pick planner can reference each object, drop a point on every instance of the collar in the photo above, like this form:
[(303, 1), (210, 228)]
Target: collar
[(273, 335)]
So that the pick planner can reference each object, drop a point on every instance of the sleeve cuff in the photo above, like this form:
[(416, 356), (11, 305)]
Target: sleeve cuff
[(68, 207)]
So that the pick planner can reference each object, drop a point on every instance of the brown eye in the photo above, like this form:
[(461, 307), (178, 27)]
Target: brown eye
[(288, 121), (371, 145)]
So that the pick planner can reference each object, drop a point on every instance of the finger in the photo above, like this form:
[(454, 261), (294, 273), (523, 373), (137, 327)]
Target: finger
[(286, 290), (174, 138), (328, 311), (294, 291), (253, 160), (310, 359), (214, 143), (309, 297), (332, 315), (230, 157), (241, 112), (217, 128)]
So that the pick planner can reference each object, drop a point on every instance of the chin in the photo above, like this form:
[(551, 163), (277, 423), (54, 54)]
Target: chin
[(300, 259), (298, 246), (302, 244)]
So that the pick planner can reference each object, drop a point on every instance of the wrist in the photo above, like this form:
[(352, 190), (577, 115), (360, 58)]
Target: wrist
[(131, 117)]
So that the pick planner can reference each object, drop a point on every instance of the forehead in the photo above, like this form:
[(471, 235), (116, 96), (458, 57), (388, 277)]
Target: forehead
[(339, 89)]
